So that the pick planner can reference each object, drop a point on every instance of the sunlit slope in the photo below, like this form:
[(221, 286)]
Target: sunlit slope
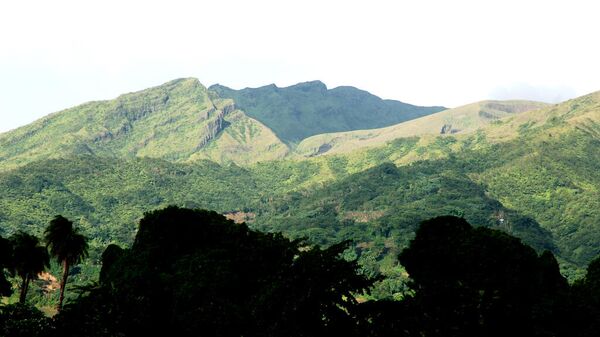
[(461, 120), (176, 121), (550, 169), (243, 141), (543, 164)]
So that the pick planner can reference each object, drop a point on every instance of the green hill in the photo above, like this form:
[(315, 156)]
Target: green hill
[(459, 120), (182, 121), (178, 121), (307, 109)]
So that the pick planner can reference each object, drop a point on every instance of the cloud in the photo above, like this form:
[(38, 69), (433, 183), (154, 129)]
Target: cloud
[(527, 91)]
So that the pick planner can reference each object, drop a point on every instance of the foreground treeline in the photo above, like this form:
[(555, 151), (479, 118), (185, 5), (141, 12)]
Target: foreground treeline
[(25, 256), (194, 273)]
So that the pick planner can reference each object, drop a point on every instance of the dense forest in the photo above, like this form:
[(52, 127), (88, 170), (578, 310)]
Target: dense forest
[(194, 272), (312, 238)]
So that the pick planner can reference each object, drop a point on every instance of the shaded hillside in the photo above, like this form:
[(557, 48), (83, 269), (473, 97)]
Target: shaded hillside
[(177, 121), (464, 119), (309, 108)]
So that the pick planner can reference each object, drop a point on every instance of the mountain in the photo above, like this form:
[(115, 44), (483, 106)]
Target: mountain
[(183, 121), (178, 121), (525, 168), (307, 109), (459, 120)]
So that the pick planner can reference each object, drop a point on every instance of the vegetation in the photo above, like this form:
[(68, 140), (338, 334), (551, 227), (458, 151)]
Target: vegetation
[(67, 246), (194, 271), (307, 109), (532, 174), (191, 272), (182, 121), (541, 186), (457, 121), (29, 259)]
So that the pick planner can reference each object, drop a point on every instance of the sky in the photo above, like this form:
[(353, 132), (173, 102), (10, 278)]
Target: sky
[(57, 54)]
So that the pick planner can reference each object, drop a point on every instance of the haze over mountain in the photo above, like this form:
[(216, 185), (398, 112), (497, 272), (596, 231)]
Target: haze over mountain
[(460, 120), (306, 109)]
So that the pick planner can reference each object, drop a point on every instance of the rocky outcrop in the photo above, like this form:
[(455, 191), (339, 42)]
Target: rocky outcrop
[(215, 123), (137, 108), (447, 130), (321, 150)]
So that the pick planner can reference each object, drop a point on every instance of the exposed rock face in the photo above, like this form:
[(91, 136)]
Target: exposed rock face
[(215, 124), (446, 129), (138, 108), (322, 149), (108, 135)]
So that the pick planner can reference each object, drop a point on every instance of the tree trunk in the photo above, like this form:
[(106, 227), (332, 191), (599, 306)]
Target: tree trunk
[(63, 282), (24, 286)]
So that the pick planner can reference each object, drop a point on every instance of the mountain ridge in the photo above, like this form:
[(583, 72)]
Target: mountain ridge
[(460, 120), (175, 121), (180, 120), (309, 108)]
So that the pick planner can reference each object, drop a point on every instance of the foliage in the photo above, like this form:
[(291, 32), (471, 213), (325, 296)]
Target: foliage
[(29, 258), (5, 263), (306, 109), (194, 271), (21, 320), (540, 182), (482, 282), (67, 245)]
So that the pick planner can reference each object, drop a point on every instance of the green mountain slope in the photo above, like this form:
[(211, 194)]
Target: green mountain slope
[(176, 121), (459, 120), (309, 108), (532, 173)]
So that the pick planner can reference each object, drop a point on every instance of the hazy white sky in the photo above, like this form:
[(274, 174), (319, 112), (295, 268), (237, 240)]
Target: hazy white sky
[(56, 54)]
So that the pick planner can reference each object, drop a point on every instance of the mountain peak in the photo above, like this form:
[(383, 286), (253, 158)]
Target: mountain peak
[(309, 86)]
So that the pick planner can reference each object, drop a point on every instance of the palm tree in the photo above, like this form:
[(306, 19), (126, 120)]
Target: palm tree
[(67, 245), (29, 259)]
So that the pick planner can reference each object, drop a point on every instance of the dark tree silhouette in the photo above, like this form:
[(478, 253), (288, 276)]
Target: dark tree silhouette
[(193, 272), (67, 245), (5, 261), (24, 320), (482, 282), (29, 259), (584, 315)]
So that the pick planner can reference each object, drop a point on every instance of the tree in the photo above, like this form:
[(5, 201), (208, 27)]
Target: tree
[(29, 259), (193, 272), (67, 245), (5, 260), (585, 308), (482, 282)]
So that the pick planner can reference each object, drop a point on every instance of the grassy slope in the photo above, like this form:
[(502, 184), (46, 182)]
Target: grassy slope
[(464, 119), (244, 141), (169, 121), (308, 109)]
